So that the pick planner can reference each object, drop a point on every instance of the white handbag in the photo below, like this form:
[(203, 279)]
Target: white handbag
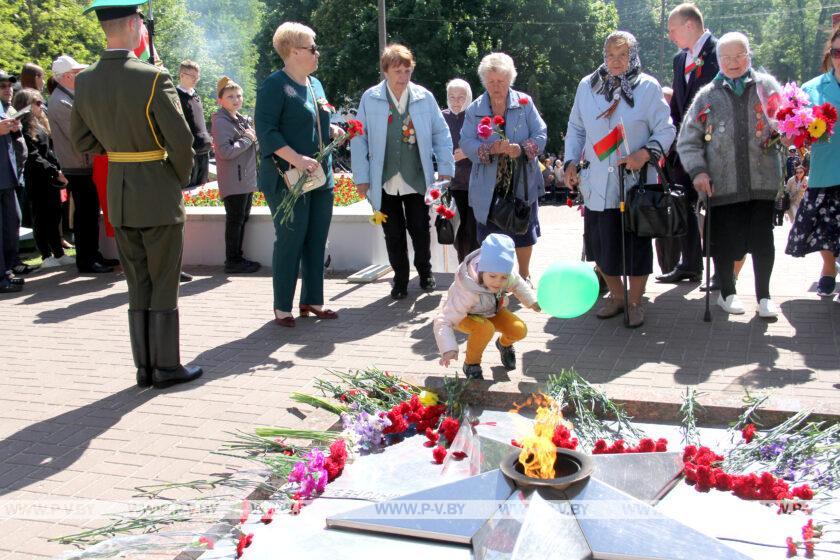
[(317, 178)]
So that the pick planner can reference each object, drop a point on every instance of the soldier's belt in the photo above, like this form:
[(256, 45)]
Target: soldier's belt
[(137, 157)]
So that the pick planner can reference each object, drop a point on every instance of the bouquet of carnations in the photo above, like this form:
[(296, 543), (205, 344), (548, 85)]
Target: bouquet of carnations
[(798, 119), (286, 208), (439, 196)]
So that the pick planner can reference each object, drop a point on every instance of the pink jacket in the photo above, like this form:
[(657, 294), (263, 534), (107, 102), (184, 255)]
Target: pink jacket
[(467, 297)]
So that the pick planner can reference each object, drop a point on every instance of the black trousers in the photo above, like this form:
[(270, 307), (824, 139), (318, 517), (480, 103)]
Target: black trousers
[(85, 219), (8, 231), (200, 170), (46, 219), (237, 210), (466, 240), (407, 212)]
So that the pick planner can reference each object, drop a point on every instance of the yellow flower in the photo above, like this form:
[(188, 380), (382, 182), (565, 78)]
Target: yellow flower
[(817, 128), (378, 218), (428, 398)]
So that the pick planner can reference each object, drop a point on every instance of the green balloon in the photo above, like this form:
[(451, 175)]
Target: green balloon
[(567, 289)]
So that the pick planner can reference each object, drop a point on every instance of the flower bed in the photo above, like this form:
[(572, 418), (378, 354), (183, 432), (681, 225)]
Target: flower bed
[(345, 195)]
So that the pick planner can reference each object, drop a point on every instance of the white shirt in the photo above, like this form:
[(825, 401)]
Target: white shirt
[(396, 185), (695, 51), (189, 92)]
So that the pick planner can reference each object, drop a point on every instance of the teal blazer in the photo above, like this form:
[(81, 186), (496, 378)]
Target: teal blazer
[(825, 171)]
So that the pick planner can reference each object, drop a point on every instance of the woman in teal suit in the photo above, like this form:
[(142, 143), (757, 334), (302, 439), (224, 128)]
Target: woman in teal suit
[(288, 102)]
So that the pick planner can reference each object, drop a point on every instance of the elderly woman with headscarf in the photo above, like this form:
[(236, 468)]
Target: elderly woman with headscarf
[(458, 97), (618, 95), (723, 147), (392, 162), (493, 156)]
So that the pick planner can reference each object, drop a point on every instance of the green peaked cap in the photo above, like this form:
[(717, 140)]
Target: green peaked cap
[(104, 4)]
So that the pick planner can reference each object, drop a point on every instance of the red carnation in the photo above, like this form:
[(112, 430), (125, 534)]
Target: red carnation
[(431, 435), (515, 443), (434, 194), (647, 445), (207, 542), (449, 427), (440, 209), (333, 468), (243, 543), (748, 433), (803, 492), (246, 511), (486, 121), (498, 120), (523, 101), (690, 472), (338, 451), (439, 454), (268, 516), (600, 447), (723, 481), (661, 445), (569, 202), (458, 455), (791, 547), (450, 213)]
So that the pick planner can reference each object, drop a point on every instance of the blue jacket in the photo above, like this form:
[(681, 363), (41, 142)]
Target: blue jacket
[(368, 150), (647, 123), (522, 123), (825, 171), (9, 176)]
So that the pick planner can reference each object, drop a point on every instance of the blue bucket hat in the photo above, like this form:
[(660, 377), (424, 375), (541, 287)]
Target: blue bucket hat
[(497, 254)]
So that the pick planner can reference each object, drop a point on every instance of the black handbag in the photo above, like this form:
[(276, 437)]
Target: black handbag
[(657, 210), (508, 213), (445, 231)]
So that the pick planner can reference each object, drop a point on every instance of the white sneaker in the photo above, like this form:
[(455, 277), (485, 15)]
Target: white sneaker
[(767, 309), (66, 260), (731, 305), (50, 262)]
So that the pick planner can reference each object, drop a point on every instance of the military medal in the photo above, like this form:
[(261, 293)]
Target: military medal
[(708, 136)]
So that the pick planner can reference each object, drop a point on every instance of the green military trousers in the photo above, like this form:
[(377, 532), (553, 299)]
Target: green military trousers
[(299, 247), (151, 259)]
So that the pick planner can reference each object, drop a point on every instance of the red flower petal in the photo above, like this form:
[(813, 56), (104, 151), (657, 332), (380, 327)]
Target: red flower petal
[(439, 454), (523, 101)]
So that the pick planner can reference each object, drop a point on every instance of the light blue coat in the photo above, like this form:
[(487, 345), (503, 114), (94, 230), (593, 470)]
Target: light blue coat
[(522, 122), (825, 169), (646, 124), (368, 151)]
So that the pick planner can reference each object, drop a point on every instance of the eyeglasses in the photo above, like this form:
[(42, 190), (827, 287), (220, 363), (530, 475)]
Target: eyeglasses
[(835, 53), (312, 49), (736, 58)]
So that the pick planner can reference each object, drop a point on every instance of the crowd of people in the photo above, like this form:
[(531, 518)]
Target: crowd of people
[(707, 130)]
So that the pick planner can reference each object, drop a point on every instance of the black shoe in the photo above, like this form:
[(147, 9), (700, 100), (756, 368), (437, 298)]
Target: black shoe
[(399, 293), (473, 371), (138, 333), (9, 288), (678, 275), (713, 285), (21, 268), (15, 280), (186, 277), (241, 267), (95, 268), (428, 284), (164, 350), (508, 355), (108, 262)]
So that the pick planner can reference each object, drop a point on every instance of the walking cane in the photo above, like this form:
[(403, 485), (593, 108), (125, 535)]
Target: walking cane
[(622, 169), (707, 317)]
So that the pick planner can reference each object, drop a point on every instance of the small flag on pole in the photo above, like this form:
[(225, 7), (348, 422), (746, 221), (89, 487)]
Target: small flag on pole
[(142, 50), (609, 143)]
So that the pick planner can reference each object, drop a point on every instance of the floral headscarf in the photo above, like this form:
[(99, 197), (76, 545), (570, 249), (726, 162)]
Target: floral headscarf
[(605, 84)]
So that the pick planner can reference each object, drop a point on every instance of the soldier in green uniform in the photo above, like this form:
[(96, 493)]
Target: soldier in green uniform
[(129, 109)]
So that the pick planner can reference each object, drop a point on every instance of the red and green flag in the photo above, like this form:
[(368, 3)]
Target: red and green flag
[(142, 50), (609, 143)]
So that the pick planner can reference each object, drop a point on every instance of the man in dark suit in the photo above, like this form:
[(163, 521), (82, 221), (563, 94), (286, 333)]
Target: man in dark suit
[(694, 66)]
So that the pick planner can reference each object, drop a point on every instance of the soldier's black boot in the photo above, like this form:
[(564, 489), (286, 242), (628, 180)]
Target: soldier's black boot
[(138, 333), (164, 346)]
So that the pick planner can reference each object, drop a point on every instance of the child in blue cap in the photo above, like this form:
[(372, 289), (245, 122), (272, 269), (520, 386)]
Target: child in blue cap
[(476, 305)]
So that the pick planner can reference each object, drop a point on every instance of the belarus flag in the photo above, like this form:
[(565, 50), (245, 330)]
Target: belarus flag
[(142, 50), (609, 143)]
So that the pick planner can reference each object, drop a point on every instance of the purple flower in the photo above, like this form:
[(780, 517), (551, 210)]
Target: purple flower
[(298, 472), (316, 459)]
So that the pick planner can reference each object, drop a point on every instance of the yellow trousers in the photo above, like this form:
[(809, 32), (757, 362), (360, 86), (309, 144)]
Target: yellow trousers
[(482, 329)]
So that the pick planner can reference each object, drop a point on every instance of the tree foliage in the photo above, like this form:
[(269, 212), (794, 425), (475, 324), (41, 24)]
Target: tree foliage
[(554, 43)]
